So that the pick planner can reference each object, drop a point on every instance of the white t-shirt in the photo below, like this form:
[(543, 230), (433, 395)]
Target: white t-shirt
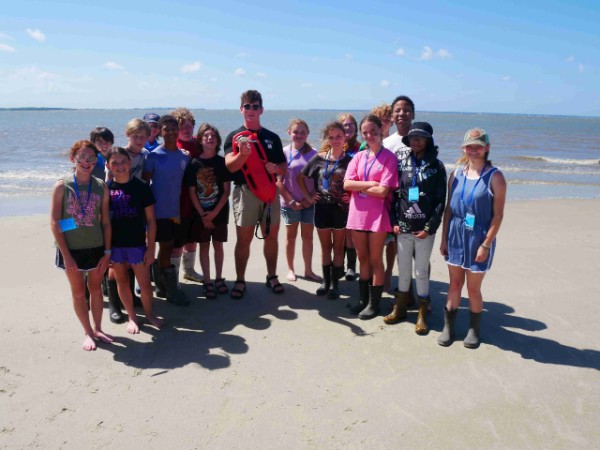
[(396, 146)]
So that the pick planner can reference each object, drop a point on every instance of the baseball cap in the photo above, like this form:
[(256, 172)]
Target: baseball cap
[(151, 118), (423, 129), (476, 136)]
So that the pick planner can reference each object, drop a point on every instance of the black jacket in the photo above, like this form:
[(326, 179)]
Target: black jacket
[(426, 213)]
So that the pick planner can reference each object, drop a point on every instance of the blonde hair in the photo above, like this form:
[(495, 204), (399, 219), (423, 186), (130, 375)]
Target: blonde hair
[(183, 114), (306, 147), (382, 111), (325, 147), (135, 125)]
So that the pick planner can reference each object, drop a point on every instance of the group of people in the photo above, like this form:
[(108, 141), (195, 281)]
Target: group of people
[(388, 194)]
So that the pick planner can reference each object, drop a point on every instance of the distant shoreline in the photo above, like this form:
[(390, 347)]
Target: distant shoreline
[(164, 108)]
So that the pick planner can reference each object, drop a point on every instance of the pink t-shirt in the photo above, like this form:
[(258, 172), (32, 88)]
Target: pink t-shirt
[(372, 213)]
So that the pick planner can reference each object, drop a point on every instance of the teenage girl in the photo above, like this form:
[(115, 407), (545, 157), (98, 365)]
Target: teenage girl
[(295, 205), (326, 172), (131, 210), (371, 176), (80, 223)]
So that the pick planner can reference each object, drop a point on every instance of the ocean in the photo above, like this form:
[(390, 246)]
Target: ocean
[(542, 157)]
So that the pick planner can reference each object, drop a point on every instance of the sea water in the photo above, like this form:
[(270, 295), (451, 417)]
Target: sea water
[(541, 156)]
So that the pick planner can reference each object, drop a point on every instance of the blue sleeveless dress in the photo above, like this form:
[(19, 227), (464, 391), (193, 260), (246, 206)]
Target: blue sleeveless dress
[(463, 242)]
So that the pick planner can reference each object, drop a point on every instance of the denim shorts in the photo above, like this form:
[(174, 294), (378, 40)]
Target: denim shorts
[(305, 215), (131, 255)]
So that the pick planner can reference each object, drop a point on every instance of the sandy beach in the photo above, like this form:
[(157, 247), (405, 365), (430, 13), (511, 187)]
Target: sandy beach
[(298, 371)]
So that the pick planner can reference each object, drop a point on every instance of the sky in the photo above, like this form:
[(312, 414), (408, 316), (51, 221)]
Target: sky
[(499, 56)]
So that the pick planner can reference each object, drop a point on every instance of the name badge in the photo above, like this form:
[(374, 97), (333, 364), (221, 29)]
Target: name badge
[(413, 194), (325, 184), (67, 224), (470, 221)]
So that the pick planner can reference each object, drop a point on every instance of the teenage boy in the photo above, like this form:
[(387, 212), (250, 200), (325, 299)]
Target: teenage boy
[(103, 139), (247, 208), (186, 255), (137, 132), (403, 114), (152, 120), (164, 169)]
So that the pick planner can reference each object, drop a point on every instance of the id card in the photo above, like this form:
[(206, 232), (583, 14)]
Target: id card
[(325, 184), (67, 224), (470, 221), (413, 194)]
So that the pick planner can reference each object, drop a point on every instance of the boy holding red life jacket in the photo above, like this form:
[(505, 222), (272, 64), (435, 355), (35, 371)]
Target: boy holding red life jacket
[(250, 210)]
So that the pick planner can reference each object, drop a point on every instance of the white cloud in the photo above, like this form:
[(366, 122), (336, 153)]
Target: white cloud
[(570, 58), (348, 56), (400, 52), (7, 48), (443, 53), (111, 65), (427, 53), (505, 78), (581, 68), (384, 83), (193, 67), (239, 72), (306, 85), (261, 74), (5, 36), (36, 34), (243, 55)]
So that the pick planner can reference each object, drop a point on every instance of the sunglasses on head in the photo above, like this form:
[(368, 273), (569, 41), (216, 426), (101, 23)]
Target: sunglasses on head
[(254, 106)]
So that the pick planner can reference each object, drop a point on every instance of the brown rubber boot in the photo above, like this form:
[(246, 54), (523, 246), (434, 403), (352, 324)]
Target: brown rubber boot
[(399, 309), (421, 325)]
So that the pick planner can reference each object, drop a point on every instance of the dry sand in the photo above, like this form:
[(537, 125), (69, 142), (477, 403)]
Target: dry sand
[(297, 371)]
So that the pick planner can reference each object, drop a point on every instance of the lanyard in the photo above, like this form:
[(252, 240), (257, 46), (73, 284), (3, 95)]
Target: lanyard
[(83, 208), (292, 157), (367, 172), (417, 169), (462, 194), (325, 174)]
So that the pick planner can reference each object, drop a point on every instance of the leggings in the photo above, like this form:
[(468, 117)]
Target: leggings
[(409, 245)]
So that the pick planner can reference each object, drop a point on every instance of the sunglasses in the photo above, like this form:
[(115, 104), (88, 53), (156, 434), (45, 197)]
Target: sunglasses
[(248, 106)]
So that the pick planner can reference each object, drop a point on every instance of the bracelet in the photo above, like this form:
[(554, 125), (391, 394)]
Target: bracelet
[(107, 252), (487, 247)]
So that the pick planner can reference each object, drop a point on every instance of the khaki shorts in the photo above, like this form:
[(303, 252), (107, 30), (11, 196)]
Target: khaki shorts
[(247, 208)]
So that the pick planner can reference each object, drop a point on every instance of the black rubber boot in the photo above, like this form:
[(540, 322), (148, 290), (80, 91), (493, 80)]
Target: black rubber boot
[(472, 339), (351, 264), (363, 297), (174, 295), (336, 273), (324, 288), (161, 291), (372, 308), (114, 302), (447, 336)]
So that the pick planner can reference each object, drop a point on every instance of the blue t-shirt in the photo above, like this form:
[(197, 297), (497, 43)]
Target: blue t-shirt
[(167, 168)]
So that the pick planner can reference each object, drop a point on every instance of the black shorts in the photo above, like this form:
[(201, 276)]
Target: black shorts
[(87, 259), (201, 234), (169, 230), (330, 216)]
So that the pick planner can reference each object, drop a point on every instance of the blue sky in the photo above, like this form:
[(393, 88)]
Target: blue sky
[(505, 56)]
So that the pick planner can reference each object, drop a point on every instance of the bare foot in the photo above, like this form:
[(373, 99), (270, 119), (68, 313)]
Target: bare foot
[(156, 321), (102, 336), (291, 276), (88, 343), (132, 327), (312, 277)]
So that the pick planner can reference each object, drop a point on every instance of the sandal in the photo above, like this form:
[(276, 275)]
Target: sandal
[(277, 287), (238, 293), (221, 286), (209, 290)]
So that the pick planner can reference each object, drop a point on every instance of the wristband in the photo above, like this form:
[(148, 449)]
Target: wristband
[(487, 247), (107, 252)]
